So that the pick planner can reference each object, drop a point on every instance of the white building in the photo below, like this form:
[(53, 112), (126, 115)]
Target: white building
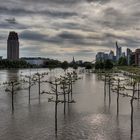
[(35, 61)]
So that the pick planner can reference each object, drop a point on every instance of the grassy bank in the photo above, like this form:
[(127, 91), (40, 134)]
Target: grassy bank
[(130, 69)]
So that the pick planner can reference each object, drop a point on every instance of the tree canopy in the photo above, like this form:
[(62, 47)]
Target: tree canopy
[(107, 64), (122, 61)]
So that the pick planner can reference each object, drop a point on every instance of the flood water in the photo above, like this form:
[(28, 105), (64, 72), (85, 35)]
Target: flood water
[(90, 118)]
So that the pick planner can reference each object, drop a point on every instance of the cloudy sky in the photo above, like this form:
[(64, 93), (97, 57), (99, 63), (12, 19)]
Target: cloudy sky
[(61, 29)]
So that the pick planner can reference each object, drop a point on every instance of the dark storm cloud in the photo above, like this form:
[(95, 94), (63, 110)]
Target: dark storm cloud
[(32, 35), (118, 19), (68, 35), (100, 1), (63, 1), (11, 23), (72, 39), (63, 37), (12, 20), (69, 38), (36, 36), (22, 11)]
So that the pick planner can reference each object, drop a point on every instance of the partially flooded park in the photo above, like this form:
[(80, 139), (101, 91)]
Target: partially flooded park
[(43, 104)]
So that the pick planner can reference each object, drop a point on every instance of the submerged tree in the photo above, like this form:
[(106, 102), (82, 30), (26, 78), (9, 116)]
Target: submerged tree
[(65, 65), (28, 79), (12, 87), (38, 78), (123, 87), (61, 87), (118, 87)]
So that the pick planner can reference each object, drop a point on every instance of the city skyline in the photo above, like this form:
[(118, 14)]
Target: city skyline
[(56, 29)]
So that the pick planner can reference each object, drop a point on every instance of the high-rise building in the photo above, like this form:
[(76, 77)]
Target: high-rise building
[(128, 55), (118, 52), (13, 46), (137, 57)]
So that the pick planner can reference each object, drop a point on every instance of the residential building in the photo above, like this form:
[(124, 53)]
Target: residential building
[(137, 57)]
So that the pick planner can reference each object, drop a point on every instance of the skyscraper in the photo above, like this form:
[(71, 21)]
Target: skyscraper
[(13, 46), (137, 57), (118, 52)]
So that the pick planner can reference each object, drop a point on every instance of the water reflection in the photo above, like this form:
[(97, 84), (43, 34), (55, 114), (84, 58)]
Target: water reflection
[(13, 75)]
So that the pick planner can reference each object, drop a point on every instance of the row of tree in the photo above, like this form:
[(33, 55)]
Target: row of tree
[(122, 87), (107, 64), (48, 63), (14, 64), (62, 86)]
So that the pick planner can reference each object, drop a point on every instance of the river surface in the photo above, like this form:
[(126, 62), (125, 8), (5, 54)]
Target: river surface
[(90, 118)]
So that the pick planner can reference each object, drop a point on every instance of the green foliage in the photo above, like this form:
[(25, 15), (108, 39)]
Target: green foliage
[(122, 61), (75, 66), (107, 64), (14, 64), (88, 66), (65, 65), (50, 63)]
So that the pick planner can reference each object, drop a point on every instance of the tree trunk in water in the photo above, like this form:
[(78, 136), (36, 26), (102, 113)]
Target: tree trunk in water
[(29, 90), (56, 117), (138, 91), (12, 99), (118, 103), (118, 98), (131, 102), (64, 99), (71, 91), (69, 94), (56, 111), (105, 88), (39, 86), (64, 104), (109, 94)]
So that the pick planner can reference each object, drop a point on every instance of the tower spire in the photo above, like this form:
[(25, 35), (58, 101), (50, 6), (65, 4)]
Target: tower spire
[(73, 61)]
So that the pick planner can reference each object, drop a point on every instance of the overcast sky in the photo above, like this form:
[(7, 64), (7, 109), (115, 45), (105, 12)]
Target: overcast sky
[(61, 29)]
